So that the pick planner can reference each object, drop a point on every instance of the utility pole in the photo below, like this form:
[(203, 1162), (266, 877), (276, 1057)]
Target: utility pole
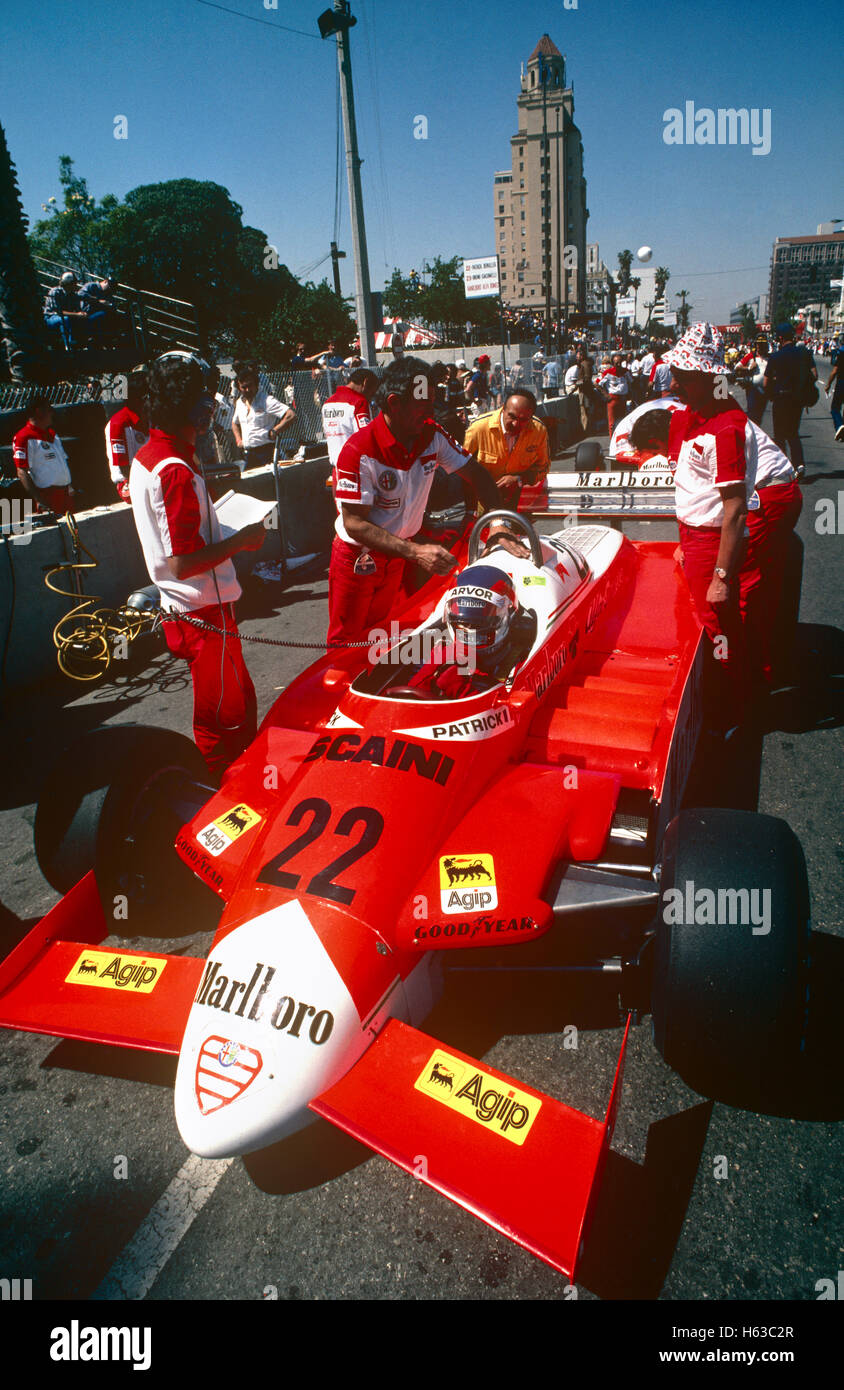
[(336, 258), (338, 22), (557, 162)]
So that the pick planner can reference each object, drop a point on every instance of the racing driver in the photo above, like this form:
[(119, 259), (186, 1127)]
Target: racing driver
[(491, 634)]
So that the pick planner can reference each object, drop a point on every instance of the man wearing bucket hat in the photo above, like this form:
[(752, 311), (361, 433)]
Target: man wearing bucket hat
[(715, 452)]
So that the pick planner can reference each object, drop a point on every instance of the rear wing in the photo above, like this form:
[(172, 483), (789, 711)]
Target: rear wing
[(624, 493)]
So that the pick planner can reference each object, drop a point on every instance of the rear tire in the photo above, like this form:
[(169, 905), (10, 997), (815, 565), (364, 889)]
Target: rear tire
[(728, 1005), (589, 456)]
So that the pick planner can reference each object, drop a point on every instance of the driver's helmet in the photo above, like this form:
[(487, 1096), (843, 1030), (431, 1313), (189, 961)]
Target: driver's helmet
[(479, 610)]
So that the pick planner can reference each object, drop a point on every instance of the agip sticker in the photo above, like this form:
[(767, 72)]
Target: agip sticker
[(222, 832), (110, 970), (467, 883), (497, 1105)]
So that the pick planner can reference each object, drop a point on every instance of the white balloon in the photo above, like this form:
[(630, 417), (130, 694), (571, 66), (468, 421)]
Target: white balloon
[(644, 253)]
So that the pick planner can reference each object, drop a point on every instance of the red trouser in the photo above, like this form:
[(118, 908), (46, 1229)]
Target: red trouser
[(761, 575), (359, 601), (616, 411), (58, 500), (225, 710), (700, 545)]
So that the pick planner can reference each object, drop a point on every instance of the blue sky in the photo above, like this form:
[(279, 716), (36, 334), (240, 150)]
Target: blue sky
[(211, 96)]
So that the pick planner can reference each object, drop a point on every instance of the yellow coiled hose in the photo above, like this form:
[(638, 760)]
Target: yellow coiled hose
[(85, 638)]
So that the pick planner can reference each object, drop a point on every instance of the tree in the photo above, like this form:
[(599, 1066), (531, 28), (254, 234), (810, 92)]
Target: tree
[(185, 238), (441, 304), (73, 231), (21, 323), (661, 278), (625, 260), (785, 308), (310, 314), (402, 296), (748, 322), (684, 311)]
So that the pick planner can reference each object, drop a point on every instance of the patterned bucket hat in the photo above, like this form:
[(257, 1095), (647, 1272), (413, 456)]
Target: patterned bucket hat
[(701, 349)]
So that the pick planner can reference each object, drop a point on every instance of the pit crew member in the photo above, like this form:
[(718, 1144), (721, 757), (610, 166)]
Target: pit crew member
[(126, 431), (41, 462), (190, 560), (512, 445), (383, 477), (714, 448), (347, 411), (772, 514), (258, 417)]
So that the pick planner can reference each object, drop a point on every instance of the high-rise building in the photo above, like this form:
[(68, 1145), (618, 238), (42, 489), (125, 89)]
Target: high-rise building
[(539, 203), (801, 269)]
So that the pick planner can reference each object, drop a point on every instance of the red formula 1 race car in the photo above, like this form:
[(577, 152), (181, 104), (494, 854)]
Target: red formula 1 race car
[(378, 832)]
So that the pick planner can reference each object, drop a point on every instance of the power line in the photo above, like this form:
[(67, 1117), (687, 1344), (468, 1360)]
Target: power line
[(742, 270), (285, 28)]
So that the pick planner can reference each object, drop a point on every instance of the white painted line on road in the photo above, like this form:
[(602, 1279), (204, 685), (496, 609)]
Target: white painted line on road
[(141, 1261)]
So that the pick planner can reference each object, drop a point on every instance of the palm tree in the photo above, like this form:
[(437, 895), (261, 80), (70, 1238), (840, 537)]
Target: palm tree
[(625, 260), (661, 278), (748, 322), (21, 323), (684, 311)]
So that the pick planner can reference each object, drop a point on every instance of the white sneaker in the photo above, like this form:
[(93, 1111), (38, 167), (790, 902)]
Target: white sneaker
[(839, 433)]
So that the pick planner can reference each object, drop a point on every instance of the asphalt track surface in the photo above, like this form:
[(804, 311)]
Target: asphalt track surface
[(327, 1220)]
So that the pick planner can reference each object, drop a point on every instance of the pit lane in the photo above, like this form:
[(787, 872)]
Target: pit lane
[(668, 1225)]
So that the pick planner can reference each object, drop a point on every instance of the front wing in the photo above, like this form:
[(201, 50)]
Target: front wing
[(527, 1165)]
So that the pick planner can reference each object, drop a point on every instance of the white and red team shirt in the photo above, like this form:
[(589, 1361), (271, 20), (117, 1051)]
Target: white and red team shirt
[(660, 377), (710, 453), (772, 465), (174, 516), (124, 436), (41, 454), (620, 446), (757, 366), (343, 414), (375, 471), (612, 382)]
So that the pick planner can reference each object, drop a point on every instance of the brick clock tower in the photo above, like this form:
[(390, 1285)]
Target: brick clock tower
[(540, 202)]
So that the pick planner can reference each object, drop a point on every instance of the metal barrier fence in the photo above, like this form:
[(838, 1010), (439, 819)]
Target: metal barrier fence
[(14, 396), (157, 322)]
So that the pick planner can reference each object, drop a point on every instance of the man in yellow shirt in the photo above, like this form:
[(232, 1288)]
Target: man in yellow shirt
[(512, 445)]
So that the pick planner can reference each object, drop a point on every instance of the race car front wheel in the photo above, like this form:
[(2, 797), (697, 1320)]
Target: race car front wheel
[(114, 802), (730, 985)]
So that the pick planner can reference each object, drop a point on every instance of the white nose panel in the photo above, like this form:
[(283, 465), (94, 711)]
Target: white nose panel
[(272, 1025)]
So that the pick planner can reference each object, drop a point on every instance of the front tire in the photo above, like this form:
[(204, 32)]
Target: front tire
[(114, 802)]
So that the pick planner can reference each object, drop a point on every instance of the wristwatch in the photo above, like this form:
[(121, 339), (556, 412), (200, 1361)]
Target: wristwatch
[(722, 574)]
